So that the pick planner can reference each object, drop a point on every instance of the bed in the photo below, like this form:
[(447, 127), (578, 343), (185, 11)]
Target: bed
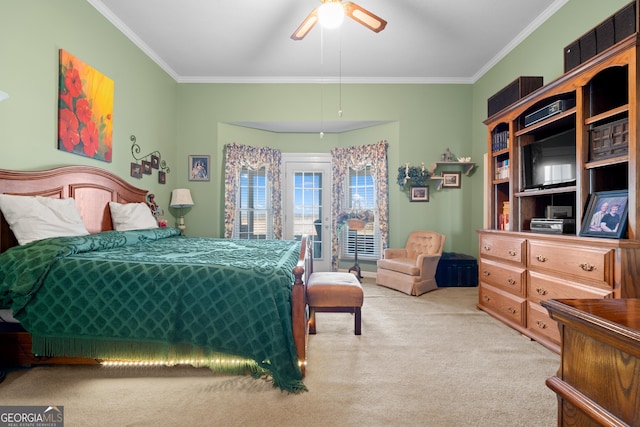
[(149, 295)]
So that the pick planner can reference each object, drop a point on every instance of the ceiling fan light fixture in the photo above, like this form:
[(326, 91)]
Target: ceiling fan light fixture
[(367, 20), (331, 15), (306, 26)]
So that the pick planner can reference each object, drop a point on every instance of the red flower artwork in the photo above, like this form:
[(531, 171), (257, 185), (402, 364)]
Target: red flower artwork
[(89, 138), (83, 111), (85, 108), (68, 129)]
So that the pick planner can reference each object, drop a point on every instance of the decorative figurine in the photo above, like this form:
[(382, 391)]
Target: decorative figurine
[(447, 156)]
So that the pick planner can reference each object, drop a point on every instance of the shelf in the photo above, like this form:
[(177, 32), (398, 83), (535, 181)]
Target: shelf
[(468, 167), (606, 162), (546, 122), (603, 123), (559, 190), (607, 114)]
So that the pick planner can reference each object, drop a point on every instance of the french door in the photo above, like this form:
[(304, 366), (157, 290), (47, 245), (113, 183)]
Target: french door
[(307, 203)]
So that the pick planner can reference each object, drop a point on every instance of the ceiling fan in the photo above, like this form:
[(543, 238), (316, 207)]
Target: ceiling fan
[(352, 10)]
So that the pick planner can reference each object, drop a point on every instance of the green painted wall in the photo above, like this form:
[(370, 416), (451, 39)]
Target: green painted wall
[(31, 34), (425, 120), (183, 119)]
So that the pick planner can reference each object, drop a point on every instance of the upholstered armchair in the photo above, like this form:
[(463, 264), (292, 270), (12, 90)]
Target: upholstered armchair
[(412, 269)]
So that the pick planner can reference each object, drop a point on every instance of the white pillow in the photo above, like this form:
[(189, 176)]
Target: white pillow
[(35, 218), (131, 216)]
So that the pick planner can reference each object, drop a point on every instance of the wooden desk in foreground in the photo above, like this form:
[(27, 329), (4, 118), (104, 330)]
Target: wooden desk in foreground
[(598, 382)]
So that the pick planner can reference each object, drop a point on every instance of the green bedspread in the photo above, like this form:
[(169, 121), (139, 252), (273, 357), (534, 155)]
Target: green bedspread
[(137, 293)]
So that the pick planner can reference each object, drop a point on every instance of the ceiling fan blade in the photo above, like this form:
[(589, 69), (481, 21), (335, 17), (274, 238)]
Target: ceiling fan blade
[(306, 25), (363, 16)]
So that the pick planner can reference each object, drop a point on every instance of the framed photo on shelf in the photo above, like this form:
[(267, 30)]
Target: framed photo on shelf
[(606, 215), (419, 194), (199, 168), (451, 179)]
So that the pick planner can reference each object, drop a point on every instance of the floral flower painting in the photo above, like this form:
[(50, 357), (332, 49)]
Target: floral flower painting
[(85, 109)]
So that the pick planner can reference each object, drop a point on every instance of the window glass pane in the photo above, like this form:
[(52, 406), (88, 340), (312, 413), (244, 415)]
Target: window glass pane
[(308, 208), (254, 215), (361, 195)]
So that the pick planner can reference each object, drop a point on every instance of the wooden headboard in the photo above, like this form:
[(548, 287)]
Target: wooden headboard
[(92, 188)]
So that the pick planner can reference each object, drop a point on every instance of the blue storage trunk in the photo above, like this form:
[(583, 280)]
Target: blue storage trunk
[(457, 270)]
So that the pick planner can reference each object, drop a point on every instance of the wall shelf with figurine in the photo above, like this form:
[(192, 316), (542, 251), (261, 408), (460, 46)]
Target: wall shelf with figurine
[(467, 167), (410, 176)]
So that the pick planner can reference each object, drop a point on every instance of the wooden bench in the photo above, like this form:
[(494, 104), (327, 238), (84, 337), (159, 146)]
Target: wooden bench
[(334, 292)]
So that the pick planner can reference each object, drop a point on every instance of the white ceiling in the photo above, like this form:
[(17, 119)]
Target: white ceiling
[(248, 41)]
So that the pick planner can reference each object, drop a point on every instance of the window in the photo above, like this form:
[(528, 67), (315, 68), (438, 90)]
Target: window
[(361, 195), (254, 214), (307, 208)]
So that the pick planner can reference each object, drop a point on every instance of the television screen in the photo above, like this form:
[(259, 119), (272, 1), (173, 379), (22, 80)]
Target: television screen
[(550, 162)]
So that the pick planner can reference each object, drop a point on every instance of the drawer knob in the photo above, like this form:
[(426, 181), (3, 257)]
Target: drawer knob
[(541, 258), (486, 297), (541, 291), (512, 252), (587, 267), (485, 273), (511, 281), (541, 324), (486, 248), (511, 310)]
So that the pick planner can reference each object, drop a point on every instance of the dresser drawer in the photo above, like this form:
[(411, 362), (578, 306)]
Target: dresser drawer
[(506, 305), (511, 249), (541, 287), (507, 277), (539, 322), (593, 264)]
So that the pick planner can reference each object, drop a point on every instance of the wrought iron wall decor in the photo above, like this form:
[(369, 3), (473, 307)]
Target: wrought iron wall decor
[(148, 162)]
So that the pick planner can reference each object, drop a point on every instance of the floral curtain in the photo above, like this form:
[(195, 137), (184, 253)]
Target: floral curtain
[(357, 158), (238, 156)]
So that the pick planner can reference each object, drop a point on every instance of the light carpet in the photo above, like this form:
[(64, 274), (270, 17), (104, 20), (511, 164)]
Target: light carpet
[(433, 360)]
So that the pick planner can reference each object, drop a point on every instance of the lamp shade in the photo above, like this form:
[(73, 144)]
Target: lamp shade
[(3, 95), (181, 198)]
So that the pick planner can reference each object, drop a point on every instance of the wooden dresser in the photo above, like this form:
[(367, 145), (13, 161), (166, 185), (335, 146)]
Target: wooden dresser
[(520, 270), (598, 382)]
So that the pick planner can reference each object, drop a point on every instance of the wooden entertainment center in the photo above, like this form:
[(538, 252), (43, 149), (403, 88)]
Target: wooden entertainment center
[(520, 268)]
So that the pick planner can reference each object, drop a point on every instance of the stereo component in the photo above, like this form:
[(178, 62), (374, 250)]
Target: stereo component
[(550, 110)]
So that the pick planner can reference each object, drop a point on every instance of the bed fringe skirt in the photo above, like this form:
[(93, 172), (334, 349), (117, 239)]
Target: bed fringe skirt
[(153, 352)]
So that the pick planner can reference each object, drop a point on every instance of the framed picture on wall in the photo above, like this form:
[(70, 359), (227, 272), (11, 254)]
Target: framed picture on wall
[(146, 167), (199, 167), (419, 194), (136, 170), (606, 215), (451, 179)]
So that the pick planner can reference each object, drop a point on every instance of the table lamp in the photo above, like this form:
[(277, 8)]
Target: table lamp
[(181, 199)]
